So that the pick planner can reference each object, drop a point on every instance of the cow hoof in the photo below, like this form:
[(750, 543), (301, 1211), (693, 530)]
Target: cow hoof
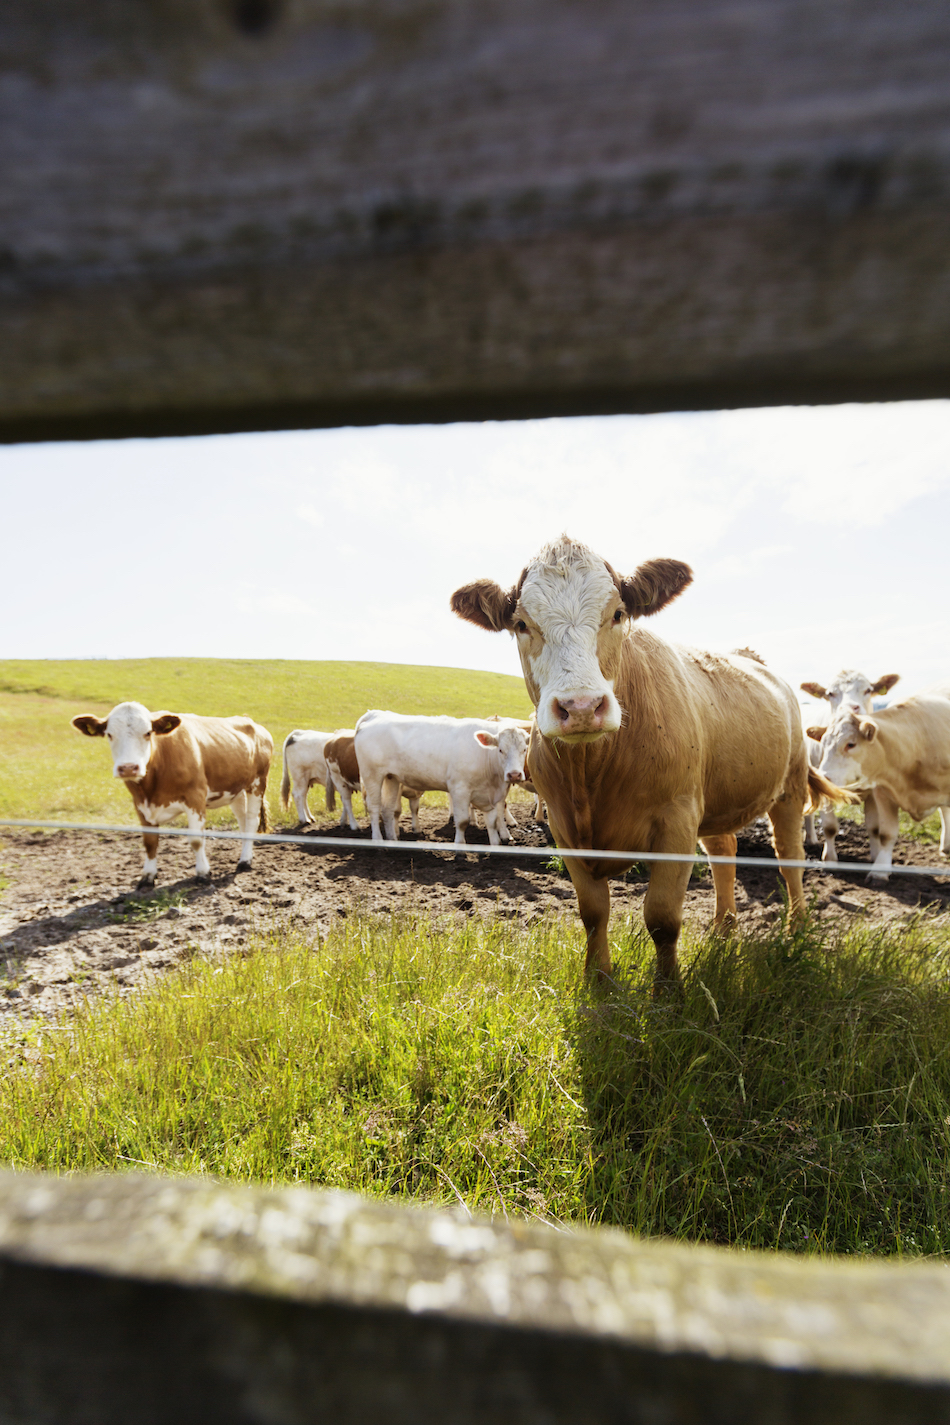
[(876, 878), (147, 883), (243, 866), (203, 880)]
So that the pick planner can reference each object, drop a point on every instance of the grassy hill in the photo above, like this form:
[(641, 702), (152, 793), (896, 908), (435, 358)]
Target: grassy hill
[(48, 770)]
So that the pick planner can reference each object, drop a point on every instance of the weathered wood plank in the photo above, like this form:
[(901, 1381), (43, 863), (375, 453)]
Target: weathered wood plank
[(237, 213), (162, 1300)]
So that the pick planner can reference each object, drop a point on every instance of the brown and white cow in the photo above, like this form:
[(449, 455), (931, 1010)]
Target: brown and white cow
[(344, 773), (643, 746), (180, 764), (852, 693), (899, 760)]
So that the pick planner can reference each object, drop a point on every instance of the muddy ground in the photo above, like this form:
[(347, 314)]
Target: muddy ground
[(73, 925)]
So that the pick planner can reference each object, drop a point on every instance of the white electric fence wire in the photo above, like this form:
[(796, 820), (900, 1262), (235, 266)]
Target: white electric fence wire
[(352, 843)]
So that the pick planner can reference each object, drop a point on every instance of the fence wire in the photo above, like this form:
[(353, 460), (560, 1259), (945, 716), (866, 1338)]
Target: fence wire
[(545, 853)]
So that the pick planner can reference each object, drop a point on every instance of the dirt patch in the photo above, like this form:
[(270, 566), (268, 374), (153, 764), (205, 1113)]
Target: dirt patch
[(72, 924)]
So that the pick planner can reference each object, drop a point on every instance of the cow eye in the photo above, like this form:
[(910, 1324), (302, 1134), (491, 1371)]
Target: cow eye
[(850, 746), (521, 626), (618, 615)]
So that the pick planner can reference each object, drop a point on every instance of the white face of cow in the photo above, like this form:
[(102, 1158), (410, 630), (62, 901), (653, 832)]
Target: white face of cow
[(512, 745), (129, 730), (570, 614), (851, 693), (845, 748)]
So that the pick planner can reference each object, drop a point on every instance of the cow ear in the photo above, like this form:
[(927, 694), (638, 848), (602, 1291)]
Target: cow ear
[(91, 726), (815, 733), (487, 739), (816, 690), (486, 604), (867, 729), (885, 684), (655, 584), (165, 722)]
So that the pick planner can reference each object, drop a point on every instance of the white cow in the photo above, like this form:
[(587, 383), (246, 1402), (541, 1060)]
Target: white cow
[(472, 759), (854, 693), (304, 767), (899, 758)]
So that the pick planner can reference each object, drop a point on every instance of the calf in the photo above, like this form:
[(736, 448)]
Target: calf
[(642, 746), (180, 764), (304, 767), (899, 760), (853, 693), (472, 759)]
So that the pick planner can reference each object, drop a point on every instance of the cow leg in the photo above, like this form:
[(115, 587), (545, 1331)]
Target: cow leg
[(247, 810), (196, 824), (810, 829), (888, 824), (872, 825), (593, 904), (150, 864), (373, 795), (786, 818), (829, 830), (414, 801), (510, 818), (392, 807), (346, 801), (724, 877), (495, 823), (460, 802), (663, 911), (945, 831), (300, 791)]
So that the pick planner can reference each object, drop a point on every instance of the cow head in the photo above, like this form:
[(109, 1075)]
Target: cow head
[(846, 749), (851, 692), (570, 613), (129, 729), (511, 740)]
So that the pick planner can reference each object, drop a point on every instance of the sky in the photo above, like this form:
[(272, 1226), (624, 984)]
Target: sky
[(817, 536)]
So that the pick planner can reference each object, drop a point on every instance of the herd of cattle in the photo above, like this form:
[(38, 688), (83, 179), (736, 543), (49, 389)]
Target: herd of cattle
[(636, 745)]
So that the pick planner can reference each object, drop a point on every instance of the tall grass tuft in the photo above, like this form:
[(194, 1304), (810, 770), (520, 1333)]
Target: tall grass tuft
[(797, 1097)]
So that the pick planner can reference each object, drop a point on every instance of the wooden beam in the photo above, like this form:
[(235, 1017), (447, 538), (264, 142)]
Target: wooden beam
[(237, 214)]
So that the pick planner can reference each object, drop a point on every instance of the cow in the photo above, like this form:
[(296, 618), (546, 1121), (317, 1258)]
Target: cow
[(854, 693), (899, 759), (527, 785), (304, 766), (180, 764), (472, 759), (344, 771), (640, 745)]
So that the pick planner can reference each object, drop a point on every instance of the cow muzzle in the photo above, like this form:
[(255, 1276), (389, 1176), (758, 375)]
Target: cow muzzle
[(577, 716), (129, 771), (515, 776)]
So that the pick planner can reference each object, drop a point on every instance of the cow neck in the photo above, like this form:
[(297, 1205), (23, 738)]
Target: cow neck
[(577, 769)]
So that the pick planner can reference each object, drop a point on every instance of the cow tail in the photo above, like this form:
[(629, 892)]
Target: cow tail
[(331, 792), (263, 821), (821, 790), (285, 787)]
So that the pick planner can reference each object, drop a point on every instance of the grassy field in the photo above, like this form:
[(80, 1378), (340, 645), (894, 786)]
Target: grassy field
[(48, 770), (797, 1099)]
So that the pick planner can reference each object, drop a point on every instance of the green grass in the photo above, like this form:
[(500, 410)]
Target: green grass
[(50, 771), (797, 1098)]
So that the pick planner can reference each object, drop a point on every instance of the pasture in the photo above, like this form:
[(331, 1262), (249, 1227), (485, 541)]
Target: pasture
[(419, 1028), (48, 770)]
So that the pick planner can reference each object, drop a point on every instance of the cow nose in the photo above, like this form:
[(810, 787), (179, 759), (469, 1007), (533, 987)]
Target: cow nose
[(581, 713), (127, 769), (516, 776)]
